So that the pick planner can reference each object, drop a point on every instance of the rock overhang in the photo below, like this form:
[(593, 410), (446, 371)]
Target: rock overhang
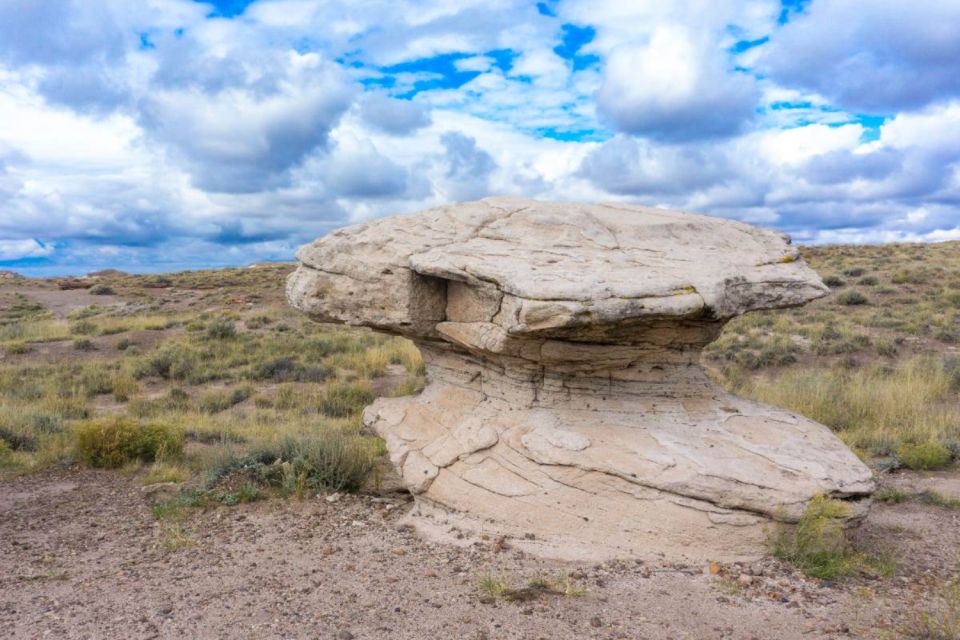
[(542, 269)]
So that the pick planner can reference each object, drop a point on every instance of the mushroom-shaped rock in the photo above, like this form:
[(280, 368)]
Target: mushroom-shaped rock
[(566, 405)]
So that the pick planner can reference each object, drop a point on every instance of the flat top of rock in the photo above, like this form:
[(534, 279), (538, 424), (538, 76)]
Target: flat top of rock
[(614, 261)]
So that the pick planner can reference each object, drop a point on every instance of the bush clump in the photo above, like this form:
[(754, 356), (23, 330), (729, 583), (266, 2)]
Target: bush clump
[(344, 399), (217, 401), (330, 460), (170, 362), (17, 441), (924, 456), (221, 330), (6, 455), (101, 290), (852, 297), (83, 328), (818, 545), (17, 348), (288, 370), (84, 344), (113, 442)]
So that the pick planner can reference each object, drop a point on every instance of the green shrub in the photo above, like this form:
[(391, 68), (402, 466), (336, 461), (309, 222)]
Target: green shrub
[(891, 495), (288, 370), (217, 401), (101, 290), (47, 422), (333, 461), (83, 328), (937, 499), (257, 322), (17, 441), (17, 348), (818, 544), (171, 362), (113, 442), (221, 330), (833, 281), (328, 460), (852, 297), (886, 348), (84, 344), (344, 399), (248, 492), (909, 277), (925, 456)]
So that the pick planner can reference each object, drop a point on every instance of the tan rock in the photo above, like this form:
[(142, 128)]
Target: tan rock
[(565, 396)]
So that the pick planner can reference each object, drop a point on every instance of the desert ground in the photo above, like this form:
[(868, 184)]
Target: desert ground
[(181, 456)]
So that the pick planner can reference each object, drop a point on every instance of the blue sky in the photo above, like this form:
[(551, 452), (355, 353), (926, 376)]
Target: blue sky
[(180, 134)]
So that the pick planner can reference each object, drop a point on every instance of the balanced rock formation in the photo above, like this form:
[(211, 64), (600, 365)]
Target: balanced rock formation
[(566, 407)]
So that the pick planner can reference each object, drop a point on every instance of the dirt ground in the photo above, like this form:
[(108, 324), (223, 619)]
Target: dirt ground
[(82, 557)]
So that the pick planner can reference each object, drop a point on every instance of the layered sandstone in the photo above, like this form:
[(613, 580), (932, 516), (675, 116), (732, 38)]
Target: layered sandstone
[(566, 406)]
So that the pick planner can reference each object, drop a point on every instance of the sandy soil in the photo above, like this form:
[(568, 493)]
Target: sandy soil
[(81, 557), (61, 301)]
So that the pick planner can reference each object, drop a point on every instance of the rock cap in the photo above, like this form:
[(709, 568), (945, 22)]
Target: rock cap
[(575, 271)]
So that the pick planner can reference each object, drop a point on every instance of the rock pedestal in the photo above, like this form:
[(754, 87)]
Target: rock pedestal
[(566, 407)]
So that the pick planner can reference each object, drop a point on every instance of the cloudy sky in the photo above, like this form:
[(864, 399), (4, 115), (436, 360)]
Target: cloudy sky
[(166, 134)]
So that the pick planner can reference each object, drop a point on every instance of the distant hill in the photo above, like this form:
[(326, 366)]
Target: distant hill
[(107, 273)]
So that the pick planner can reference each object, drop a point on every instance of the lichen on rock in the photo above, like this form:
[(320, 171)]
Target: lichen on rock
[(565, 396)]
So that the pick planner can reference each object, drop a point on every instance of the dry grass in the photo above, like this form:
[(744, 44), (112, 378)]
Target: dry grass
[(233, 384), (882, 368), (876, 407), (235, 369)]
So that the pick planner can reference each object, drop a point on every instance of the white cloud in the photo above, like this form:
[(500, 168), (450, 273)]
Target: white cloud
[(792, 146), (148, 134), (880, 57), (19, 249), (675, 87), (393, 116), (238, 141)]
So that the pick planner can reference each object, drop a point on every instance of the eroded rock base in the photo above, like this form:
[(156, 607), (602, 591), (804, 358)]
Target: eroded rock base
[(646, 458)]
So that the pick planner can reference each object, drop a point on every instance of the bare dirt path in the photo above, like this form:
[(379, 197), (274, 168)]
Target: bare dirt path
[(81, 557), (62, 301)]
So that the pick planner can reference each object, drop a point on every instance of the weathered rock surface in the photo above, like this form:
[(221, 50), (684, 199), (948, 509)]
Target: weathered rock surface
[(566, 405)]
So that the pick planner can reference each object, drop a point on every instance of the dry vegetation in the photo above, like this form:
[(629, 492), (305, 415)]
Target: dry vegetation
[(204, 377), (215, 366), (877, 360)]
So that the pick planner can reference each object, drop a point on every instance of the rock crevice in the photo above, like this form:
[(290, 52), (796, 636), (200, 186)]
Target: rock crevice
[(565, 397)]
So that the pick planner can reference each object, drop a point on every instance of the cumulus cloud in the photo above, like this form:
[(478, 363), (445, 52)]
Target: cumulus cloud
[(163, 135), (358, 170), (675, 87), (881, 58), (20, 249), (627, 166), (58, 31), (239, 141), (9, 184), (393, 116), (467, 168)]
